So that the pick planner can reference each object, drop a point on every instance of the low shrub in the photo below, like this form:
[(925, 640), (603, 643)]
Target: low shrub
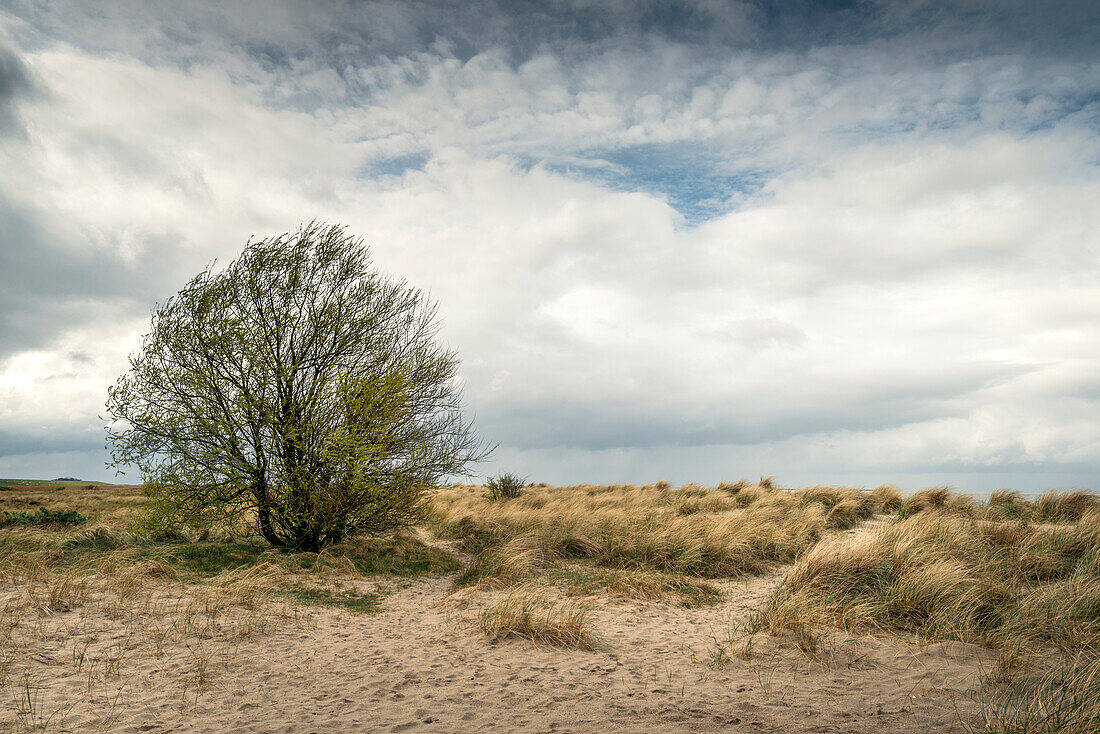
[(42, 517), (505, 486)]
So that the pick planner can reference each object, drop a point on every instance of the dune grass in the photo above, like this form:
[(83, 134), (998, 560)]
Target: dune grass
[(1020, 575), (1023, 576), (653, 541), (527, 612), (92, 528), (109, 504), (29, 553), (945, 573), (1063, 699)]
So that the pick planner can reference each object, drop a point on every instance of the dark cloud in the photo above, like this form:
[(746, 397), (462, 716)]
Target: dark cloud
[(14, 82), (51, 286), (55, 440), (1066, 28), (882, 402), (279, 35)]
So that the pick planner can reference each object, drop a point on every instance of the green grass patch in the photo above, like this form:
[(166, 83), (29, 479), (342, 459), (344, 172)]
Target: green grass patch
[(367, 603), (202, 559), (402, 556)]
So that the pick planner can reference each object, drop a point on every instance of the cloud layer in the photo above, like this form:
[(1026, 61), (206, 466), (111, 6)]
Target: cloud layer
[(695, 240)]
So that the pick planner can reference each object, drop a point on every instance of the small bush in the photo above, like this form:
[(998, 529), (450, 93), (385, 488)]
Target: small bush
[(43, 517), (505, 487)]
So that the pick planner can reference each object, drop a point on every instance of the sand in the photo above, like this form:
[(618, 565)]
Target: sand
[(421, 664)]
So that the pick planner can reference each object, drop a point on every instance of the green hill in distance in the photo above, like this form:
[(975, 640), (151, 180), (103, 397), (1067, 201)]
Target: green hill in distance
[(54, 482)]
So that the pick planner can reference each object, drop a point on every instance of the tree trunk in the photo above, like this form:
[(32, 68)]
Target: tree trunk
[(263, 513)]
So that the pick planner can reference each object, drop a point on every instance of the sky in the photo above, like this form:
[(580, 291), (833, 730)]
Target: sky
[(830, 242)]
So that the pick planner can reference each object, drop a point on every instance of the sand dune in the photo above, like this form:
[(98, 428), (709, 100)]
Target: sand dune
[(421, 664)]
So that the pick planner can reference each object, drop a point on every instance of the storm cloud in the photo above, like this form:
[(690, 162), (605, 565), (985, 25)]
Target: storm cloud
[(851, 241)]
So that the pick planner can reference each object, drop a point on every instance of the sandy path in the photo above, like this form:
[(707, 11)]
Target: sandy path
[(419, 665)]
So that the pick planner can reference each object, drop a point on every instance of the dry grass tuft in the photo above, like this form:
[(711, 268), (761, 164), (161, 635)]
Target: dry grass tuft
[(1006, 504), (1065, 506), (887, 497), (935, 499), (1064, 699), (529, 613)]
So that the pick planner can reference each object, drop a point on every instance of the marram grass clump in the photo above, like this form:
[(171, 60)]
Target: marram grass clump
[(529, 612), (945, 572), (1064, 699)]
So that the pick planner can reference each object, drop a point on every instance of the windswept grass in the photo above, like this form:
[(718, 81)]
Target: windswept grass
[(944, 572), (528, 612), (1003, 505), (104, 594), (1064, 699), (1065, 506), (653, 541), (1020, 575), (935, 499)]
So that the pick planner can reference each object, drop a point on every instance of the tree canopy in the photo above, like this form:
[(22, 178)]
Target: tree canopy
[(297, 388)]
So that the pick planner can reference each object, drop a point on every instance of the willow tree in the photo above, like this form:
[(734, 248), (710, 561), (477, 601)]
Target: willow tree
[(298, 388)]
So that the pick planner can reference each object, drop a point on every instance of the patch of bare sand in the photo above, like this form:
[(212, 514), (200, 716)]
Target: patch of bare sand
[(421, 665)]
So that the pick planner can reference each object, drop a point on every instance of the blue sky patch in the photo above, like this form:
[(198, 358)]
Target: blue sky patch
[(694, 180), (396, 165)]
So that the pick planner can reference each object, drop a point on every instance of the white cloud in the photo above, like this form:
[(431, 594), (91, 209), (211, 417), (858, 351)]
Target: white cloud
[(912, 289)]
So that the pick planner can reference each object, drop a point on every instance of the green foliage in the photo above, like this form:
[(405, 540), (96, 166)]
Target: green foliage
[(401, 555), (43, 517), (298, 390), (505, 486)]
